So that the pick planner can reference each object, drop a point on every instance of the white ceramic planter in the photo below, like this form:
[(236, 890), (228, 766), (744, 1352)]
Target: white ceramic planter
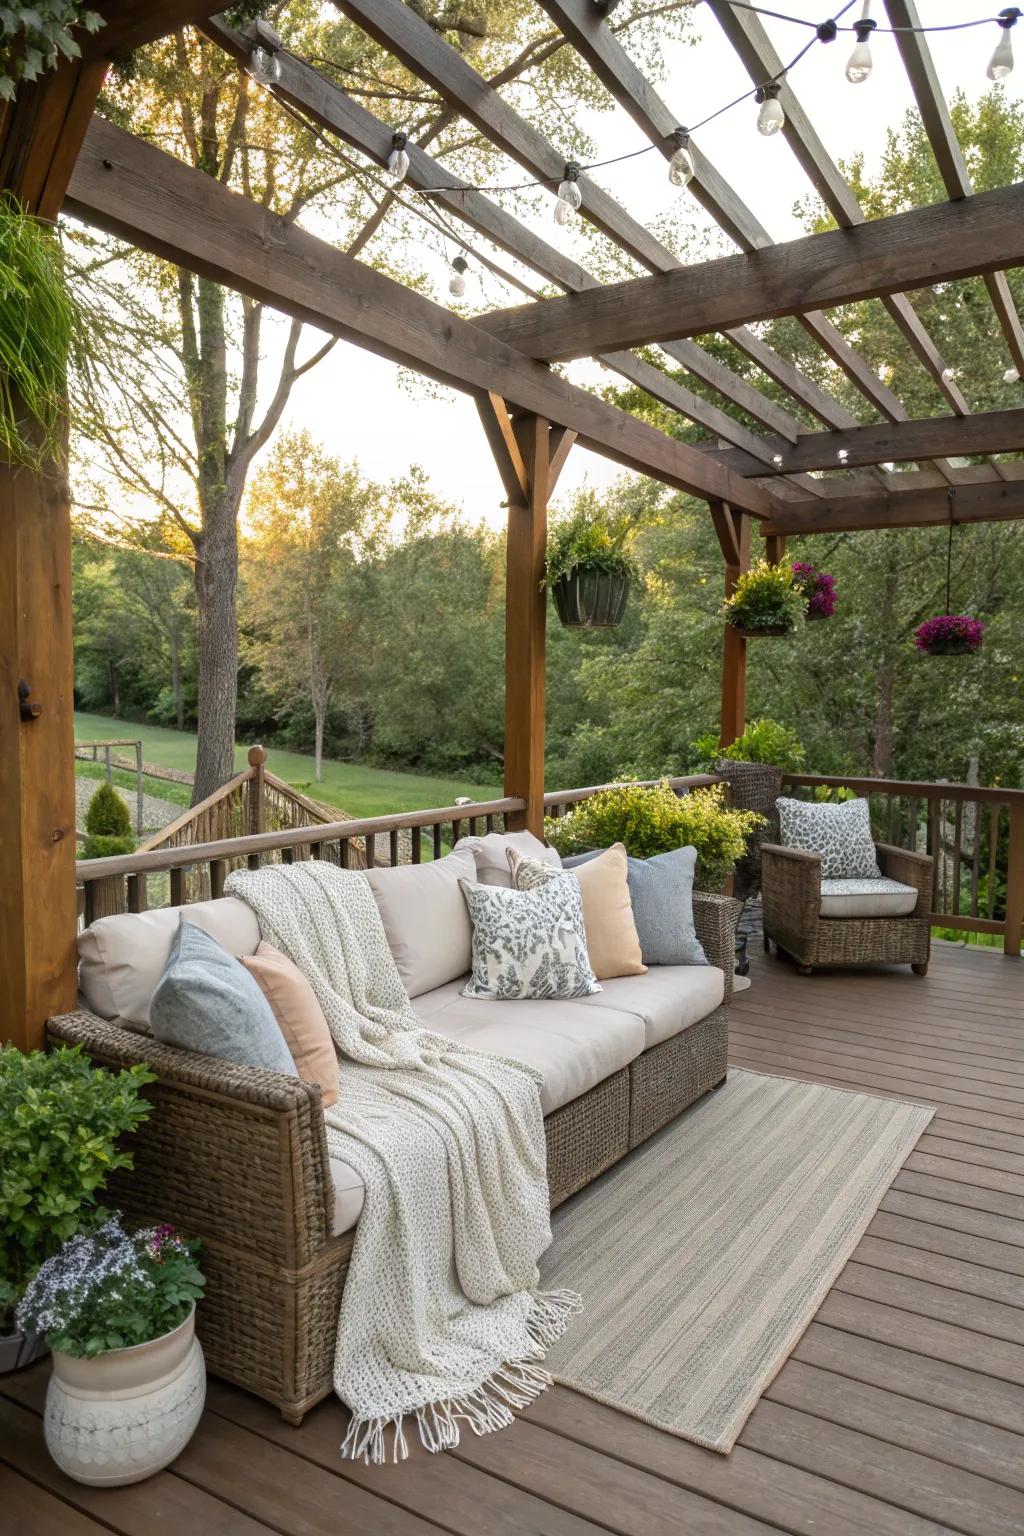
[(123, 1415)]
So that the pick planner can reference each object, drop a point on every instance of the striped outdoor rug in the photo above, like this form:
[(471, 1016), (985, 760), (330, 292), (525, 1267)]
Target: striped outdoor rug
[(704, 1255)]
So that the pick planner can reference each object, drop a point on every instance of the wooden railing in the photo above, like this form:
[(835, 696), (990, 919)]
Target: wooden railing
[(975, 835), (560, 800)]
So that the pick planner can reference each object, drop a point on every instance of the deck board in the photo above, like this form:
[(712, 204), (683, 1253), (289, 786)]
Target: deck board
[(899, 1413)]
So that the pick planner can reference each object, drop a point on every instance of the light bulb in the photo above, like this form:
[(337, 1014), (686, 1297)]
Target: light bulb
[(777, 460), (570, 198), (398, 160), (1011, 376), (858, 66), (1001, 62), (264, 66), (948, 375), (843, 455), (771, 116), (457, 281), (680, 167)]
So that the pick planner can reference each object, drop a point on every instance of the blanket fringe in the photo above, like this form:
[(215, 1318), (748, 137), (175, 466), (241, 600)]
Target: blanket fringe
[(491, 1407)]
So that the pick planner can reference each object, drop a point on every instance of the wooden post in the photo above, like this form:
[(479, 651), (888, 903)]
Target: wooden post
[(140, 818), (529, 455), (1014, 929), (733, 529), (775, 548), (257, 761)]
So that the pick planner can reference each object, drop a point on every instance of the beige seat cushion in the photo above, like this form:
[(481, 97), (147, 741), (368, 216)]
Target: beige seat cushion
[(572, 1052), (425, 918), (299, 1017), (349, 1193), (867, 898), (122, 957), (491, 854), (668, 999)]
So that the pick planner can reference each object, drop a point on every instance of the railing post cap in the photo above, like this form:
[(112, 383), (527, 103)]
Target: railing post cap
[(257, 756)]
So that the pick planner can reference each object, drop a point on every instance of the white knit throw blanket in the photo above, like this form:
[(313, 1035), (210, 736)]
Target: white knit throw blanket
[(440, 1315)]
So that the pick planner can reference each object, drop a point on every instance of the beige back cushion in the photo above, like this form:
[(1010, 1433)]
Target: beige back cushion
[(491, 854), (425, 919), (299, 1016), (122, 957)]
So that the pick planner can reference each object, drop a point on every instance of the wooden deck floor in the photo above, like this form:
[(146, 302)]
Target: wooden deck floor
[(900, 1412)]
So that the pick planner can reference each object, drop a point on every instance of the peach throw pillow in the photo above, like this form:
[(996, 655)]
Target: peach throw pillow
[(294, 1006), (612, 940)]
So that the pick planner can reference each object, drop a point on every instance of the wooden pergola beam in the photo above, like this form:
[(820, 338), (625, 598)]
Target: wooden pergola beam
[(140, 193), (989, 502), (907, 250), (881, 443)]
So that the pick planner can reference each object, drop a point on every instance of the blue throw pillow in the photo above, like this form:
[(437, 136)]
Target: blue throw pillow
[(207, 1001), (661, 891)]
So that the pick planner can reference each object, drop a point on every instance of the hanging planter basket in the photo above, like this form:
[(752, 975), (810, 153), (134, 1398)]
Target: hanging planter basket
[(766, 601), (818, 587), (758, 634), (589, 598), (950, 634)]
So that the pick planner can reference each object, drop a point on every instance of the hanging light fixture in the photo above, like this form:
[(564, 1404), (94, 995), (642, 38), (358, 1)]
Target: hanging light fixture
[(570, 198), (858, 66), (264, 66), (771, 116), (398, 160), (1001, 62), (681, 168), (457, 281)]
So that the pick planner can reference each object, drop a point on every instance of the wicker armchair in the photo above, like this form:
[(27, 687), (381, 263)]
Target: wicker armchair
[(237, 1156), (791, 892)]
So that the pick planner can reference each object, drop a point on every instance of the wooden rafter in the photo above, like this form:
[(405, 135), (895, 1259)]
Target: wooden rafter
[(926, 508), (907, 250), (897, 442), (140, 193)]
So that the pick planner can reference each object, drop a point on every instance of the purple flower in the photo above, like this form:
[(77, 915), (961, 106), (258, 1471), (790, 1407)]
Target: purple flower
[(818, 587), (950, 634)]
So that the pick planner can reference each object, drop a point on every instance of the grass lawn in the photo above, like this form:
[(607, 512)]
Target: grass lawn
[(357, 789)]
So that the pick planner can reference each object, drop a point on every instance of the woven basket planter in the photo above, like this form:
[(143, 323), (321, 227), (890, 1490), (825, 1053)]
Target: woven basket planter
[(757, 634), (753, 787), (951, 647), (591, 599)]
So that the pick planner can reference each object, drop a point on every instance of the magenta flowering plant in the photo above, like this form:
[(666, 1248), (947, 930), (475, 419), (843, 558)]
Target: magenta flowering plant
[(950, 634), (818, 587)]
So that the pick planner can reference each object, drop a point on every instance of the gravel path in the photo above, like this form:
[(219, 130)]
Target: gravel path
[(156, 813)]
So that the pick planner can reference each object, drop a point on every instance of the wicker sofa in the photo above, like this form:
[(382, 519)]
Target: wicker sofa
[(793, 918), (238, 1156)]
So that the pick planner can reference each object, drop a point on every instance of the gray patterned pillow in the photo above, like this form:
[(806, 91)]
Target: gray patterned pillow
[(840, 833), (528, 944)]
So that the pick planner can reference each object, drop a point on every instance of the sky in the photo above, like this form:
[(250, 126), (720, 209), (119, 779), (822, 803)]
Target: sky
[(358, 405)]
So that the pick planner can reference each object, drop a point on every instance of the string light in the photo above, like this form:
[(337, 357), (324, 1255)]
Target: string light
[(570, 198), (948, 375), (681, 169), (1001, 62), (859, 63), (457, 281), (398, 160), (777, 460), (842, 455), (264, 66), (771, 116)]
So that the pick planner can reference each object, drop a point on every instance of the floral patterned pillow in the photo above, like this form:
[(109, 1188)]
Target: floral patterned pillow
[(528, 944), (840, 833)]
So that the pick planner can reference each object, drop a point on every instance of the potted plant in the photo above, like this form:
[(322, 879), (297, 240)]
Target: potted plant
[(108, 824), (818, 588), (767, 601), (950, 634), (129, 1381), (652, 819), (589, 569), (753, 766), (62, 1118)]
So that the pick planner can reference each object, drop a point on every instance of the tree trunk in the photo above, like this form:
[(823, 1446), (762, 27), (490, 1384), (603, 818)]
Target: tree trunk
[(885, 680), (216, 589), (319, 742)]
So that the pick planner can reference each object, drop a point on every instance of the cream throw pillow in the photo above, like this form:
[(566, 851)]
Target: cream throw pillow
[(612, 940), (300, 1017)]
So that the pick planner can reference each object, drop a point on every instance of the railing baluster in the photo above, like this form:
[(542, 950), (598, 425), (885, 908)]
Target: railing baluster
[(344, 853), (371, 849), (288, 855), (976, 858), (1014, 929), (958, 826), (932, 846), (438, 846), (393, 848), (178, 887), (415, 842), (994, 813), (218, 874), (489, 823), (138, 894), (253, 861)]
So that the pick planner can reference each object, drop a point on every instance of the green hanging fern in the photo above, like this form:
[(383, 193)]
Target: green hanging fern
[(37, 326)]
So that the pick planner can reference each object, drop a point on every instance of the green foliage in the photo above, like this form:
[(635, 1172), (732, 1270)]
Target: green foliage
[(35, 37), (60, 1120), (37, 323), (763, 741), (590, 538), (654, 819), (110, 1290), (107, 816), (106, 845), (766, 597)]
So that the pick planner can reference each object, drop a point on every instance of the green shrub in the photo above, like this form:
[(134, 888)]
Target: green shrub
[(763, 741), (766, 597), (108, 816), (650, 820), (60, 1119), (104, 846), (37, 325), (590, 541)]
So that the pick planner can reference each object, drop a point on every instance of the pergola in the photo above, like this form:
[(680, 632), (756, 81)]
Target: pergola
[(55, 153)]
